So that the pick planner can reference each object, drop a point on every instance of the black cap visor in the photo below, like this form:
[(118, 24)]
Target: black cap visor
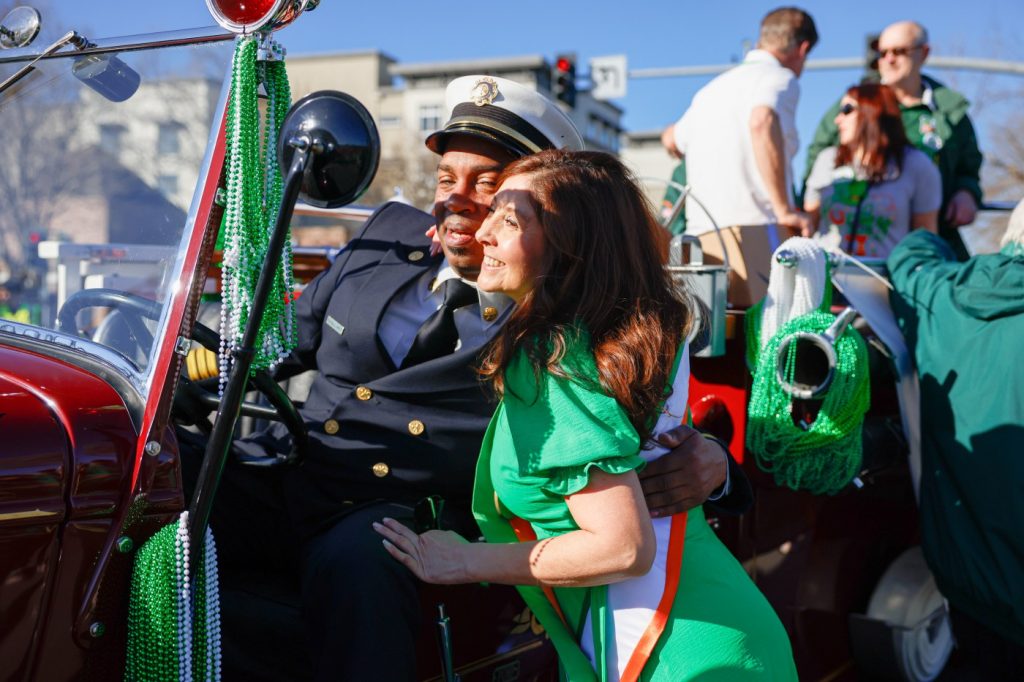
[(491, 123)]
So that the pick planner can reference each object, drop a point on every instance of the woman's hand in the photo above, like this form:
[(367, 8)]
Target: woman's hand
[(434, 556)]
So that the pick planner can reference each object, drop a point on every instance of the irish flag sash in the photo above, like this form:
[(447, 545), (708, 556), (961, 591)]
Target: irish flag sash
[(626, 619)]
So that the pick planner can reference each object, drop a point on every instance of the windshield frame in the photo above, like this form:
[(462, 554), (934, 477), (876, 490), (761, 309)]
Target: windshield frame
[(154, 385)]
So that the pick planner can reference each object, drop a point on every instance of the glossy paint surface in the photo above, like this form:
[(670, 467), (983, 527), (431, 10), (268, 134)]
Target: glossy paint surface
[(67, 448)]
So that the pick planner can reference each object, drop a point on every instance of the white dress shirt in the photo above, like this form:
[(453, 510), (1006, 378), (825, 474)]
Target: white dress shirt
[(714, 137)]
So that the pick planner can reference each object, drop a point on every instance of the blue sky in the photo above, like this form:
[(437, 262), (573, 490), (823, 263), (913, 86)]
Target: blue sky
[(656, 33)]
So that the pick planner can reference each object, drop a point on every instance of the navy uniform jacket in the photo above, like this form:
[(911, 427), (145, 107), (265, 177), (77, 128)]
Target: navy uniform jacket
[(377, 431)]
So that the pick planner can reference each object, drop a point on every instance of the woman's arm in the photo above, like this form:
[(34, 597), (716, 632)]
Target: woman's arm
[(925, 221), (615, 542), (813, 209)]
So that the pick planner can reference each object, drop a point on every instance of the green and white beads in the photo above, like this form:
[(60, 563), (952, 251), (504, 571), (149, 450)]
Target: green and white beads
[(254, 187), (174, 634)]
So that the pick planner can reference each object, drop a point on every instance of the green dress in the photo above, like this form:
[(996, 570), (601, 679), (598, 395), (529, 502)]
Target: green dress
[(540, 447)]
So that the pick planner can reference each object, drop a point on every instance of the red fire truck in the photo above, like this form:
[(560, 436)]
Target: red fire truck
[(110, 180)]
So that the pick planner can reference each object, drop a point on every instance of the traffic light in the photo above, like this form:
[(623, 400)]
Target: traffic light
[(563, 79), (871, 56)]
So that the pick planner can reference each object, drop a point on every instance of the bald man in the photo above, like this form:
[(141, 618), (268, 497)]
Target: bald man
[(935, 119)]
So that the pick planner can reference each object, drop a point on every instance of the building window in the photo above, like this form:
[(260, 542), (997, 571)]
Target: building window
[(430, 118), (168, 139), (391, 122), (111, 136), (167, 184)]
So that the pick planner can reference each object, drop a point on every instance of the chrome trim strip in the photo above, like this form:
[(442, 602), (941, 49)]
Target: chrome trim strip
[(142, 41), (75, 344), (344, 212), (180, 278), (34, 514)]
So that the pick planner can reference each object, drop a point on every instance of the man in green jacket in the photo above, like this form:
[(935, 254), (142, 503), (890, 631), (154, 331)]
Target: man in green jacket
[(935, 119), (963, 322)]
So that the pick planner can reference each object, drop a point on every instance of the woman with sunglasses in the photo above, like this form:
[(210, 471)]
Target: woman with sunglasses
[(872, 189), (592, 363)]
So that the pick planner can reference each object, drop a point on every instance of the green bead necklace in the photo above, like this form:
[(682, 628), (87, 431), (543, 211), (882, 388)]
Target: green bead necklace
[(826, 455), (254, 187), (174, 634)]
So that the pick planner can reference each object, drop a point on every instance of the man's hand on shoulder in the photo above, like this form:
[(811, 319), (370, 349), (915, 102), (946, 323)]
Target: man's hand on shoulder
[(798, 222), (961, 209), (685, 477)]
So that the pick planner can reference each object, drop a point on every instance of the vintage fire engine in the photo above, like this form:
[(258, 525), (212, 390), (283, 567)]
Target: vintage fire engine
[(112, 180)]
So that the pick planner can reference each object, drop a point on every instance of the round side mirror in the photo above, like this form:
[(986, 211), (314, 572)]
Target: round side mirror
[(19, 28), (343, 143)]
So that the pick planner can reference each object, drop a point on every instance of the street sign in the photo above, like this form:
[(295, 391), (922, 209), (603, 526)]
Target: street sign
[(608, 76)]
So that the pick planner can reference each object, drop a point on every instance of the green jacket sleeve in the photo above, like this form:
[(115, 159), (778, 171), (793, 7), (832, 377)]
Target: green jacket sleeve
[(915, 263), (826, 135), (917, 266)]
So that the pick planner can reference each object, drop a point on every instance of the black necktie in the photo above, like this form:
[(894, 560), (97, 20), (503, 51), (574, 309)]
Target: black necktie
[(438, 335)]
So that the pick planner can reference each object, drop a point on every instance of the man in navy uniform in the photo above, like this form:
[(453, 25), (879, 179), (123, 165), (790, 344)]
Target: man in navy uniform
[(395, 418)]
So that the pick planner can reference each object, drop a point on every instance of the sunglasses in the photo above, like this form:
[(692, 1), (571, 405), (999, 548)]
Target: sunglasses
[(847, 109), (897, 51)]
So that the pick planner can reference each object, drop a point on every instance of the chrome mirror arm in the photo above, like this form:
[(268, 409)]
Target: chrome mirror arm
[(72, 37)]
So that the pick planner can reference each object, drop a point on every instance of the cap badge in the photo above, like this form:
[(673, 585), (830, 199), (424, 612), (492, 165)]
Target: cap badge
[(484, 91)]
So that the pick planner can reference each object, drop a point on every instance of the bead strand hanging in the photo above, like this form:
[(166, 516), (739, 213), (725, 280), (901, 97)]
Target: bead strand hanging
[(825, 455), (254, 188), (168, 638)]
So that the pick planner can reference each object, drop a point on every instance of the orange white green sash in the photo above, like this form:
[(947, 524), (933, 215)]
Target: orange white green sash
[(627, 618)]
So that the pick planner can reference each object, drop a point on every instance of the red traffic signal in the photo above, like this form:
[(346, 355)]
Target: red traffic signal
[(563, 79)]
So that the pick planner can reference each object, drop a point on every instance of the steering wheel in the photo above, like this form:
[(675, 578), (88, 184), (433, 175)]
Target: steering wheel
[(132, 308), (194, 399)]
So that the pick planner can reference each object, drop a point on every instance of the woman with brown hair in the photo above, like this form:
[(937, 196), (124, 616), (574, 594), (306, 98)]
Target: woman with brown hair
[(591, 365), (869, 192)]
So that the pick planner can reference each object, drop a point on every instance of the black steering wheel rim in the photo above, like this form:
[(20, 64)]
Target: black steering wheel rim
[(284, 409), (133, 307), (137, 307)]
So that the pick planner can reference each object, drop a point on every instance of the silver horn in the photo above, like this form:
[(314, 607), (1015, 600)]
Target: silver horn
[(815, 359)]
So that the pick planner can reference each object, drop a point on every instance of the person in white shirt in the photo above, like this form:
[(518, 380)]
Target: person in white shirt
[(738, 138)]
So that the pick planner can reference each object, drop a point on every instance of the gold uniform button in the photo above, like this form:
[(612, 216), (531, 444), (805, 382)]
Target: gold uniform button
[(380, 469), (415, 256), (331, 427), (363, 393), (490, 313), (416, 427)]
